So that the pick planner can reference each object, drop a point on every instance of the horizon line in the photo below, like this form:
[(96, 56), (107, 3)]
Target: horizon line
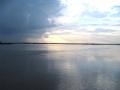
[(61, 43)]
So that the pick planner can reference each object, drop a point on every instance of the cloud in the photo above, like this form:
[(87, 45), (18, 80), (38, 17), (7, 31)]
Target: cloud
[(67, 20), (26, 16), (115, 11)]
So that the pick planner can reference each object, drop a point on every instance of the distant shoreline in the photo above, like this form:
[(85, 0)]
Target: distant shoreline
[(63, 43)]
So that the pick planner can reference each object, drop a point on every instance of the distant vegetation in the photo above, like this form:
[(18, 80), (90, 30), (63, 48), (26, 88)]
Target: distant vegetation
[(7, 43)]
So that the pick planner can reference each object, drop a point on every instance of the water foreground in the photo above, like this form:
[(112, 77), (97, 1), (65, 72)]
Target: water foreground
[(59, 67)]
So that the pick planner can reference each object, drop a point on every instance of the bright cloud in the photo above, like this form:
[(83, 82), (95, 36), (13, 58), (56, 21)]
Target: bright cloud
[(75, 11), (83, 34), (85, 21)]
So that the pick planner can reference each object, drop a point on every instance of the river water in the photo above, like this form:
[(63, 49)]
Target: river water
[(59, 67)]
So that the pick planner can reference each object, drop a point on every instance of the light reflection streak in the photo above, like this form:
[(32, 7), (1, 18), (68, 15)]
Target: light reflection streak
[(86, 67)]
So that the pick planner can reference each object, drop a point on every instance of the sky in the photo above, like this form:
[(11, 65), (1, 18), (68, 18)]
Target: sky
[(60, 21)]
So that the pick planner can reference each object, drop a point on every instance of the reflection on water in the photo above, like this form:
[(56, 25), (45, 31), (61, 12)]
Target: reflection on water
[(59, 67)]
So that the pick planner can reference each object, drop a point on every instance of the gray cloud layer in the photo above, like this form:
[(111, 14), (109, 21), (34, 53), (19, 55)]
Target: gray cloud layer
[(19, 18)]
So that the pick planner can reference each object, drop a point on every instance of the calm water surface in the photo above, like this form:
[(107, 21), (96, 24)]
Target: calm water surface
[(59, 67)]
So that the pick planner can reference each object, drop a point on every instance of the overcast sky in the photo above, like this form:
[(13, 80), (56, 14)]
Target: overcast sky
[(60, 21)]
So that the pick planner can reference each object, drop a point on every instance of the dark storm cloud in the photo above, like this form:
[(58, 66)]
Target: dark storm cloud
[(26, 16), (2, 2)]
